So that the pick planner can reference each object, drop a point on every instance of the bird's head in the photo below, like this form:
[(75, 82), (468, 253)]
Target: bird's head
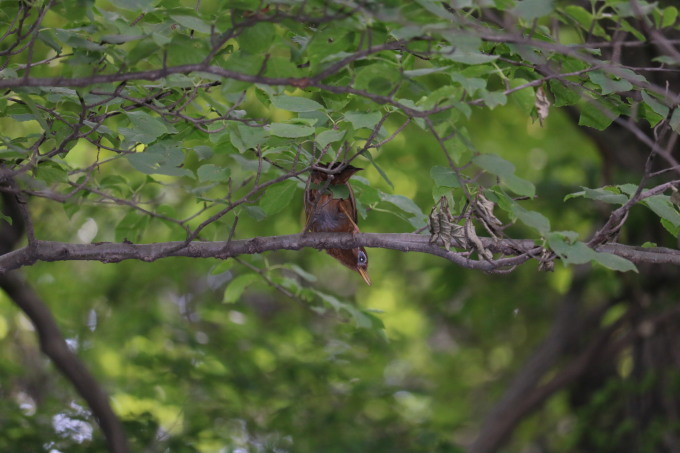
[(356, 259)]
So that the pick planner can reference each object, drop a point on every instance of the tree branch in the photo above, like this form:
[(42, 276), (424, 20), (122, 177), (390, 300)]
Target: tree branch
[(519, 251), (54, 346)]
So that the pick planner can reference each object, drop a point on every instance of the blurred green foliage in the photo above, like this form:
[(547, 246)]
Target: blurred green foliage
[(208, 356)]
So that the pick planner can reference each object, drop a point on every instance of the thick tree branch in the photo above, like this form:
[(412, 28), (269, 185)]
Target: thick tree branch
[(606, 345), (51, 340), (569, 325), (518, 251), (54, 346)]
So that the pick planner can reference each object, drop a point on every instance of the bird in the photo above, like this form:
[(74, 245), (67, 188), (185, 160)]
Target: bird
[(328, 212)]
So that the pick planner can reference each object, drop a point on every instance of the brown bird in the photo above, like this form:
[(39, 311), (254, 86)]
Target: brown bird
[(326, 213)]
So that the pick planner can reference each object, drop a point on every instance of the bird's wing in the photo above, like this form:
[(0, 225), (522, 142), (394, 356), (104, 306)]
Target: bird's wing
[(351, 216), (353, 204)]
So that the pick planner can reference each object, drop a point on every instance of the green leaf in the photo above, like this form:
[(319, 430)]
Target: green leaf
[(403, 203), (381, 172), (494, 164), (191, 22), (186, 50), (525, 98), (236, 287), (672, 229), (144, 128), (251, 165), (222, 266), (519, 185), (326, 137), (50, 172), (245, 64), (131, 227), (301, 272), (469, 84), (361, 320), (143, 49), (255, 212), (471, 57), (670, 15), (424, 71), (604, 194), (366, 194), (327, 43), (258, 38), (277, 197), (407, 205), (594, 117), (663, 207), (47, 36), (583, 17), (444, 177), (435, 8), (628, 189), (295, 104), (339, 191), (37, 115), (506, 172), (563, 95), (120, 39), (203, 152), (576, 253), (532, 219), (211, 172), (365, 120), (655, 105), (614, 262), (291, 130), (494, 98), (377, 78), (245, 137), (675, 120), (607, 84), (136, 5), (579, 253), (533, 9), (163, 158)]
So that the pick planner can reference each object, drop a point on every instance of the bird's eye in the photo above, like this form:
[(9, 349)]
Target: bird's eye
[(362, 258)]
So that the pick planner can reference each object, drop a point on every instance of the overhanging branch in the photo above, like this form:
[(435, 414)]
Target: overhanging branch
[(514, 252)]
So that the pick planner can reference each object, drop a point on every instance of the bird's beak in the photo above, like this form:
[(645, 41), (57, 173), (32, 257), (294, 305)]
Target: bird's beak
[(364, 275)]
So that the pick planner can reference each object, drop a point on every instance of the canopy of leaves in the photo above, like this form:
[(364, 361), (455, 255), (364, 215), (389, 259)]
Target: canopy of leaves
[(548, 127)]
